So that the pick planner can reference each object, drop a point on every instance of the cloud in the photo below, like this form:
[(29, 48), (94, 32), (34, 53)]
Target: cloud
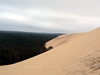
[(12, 16), (63, 16)]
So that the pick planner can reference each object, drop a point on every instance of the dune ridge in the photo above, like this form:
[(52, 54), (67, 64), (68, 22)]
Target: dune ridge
[(80, 56)]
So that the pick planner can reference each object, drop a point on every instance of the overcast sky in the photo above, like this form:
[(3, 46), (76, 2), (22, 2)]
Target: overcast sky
[(53, 16)]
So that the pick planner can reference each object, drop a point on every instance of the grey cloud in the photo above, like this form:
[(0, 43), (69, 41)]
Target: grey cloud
[(6, 24), (74, 6), (50, 15)]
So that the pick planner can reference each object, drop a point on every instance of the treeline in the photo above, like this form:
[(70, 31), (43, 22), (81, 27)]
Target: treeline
[(18, 46)]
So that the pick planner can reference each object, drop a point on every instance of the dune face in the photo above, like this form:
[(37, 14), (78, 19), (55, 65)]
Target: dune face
[(86, 65), (60, 40), (79, 56)]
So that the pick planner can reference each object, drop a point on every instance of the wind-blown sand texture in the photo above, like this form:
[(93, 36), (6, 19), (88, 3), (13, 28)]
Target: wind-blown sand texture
[(79, 56), (60, 40)]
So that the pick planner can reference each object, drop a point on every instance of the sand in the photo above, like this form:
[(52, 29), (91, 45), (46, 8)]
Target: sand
[(60, 40), (78, 56)]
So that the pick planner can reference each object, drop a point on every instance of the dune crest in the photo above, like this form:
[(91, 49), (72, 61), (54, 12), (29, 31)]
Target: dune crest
[(80, 56)]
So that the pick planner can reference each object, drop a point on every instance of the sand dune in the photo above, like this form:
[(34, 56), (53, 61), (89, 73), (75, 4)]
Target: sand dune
[(80, 56), (60, 40)]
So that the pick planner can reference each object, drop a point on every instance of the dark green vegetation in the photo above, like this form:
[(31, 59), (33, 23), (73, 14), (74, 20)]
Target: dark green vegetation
[(18, 46)]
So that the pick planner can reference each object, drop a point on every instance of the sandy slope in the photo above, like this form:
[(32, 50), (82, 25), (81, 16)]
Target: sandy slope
[(60, 40), (80, 56)]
